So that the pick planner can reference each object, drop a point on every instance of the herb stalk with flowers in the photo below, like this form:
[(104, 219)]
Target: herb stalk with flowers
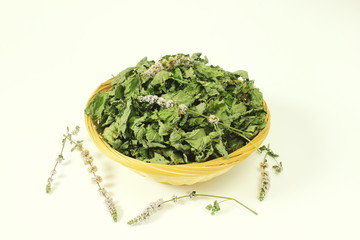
[(92, 169), (155, 206)]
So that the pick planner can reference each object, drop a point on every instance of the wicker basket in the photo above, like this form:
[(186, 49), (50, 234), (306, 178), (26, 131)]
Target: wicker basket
[(186, 174)]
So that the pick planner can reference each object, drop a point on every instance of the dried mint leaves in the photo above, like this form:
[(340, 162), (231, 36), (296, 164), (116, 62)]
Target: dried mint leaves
[(160, 133)]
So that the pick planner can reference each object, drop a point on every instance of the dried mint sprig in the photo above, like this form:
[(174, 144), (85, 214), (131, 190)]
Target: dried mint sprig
[(92, 169), (155, 206), (265, 175), (60, 157)]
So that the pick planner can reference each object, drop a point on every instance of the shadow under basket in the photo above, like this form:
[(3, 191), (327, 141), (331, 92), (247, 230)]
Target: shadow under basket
[(185, 174)]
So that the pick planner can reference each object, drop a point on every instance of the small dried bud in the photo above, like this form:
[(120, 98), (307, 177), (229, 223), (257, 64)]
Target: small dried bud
[(140, 99), (75, 131), (103, 192), (192, 194), (79, 147), (182, 108), (169, 103), (85, 153), (92, 169), (96, 179), (213, 119), (88, 160), (59, 159), (264, 165), (161, 101), (48, 188)]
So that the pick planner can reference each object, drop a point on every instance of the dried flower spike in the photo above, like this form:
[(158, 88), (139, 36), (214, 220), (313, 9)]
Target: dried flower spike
[(88, 160), (265, 177), (170, 63), (153, 99), (148, 211), (265, 180), (161, 101), (60, 158)]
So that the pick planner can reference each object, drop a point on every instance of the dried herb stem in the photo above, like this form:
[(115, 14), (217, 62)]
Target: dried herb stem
[(212, 196), (59, 159), (227, 198)]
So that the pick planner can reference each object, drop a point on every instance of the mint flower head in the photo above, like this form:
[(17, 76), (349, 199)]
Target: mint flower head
[(168, 63), (148, 211), (213, 119), (153, 99), (182, 108)]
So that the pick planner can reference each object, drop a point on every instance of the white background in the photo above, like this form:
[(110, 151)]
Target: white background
[(303, 55)]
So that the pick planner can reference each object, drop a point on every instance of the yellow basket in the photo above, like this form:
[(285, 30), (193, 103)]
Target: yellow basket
[(186, 174)]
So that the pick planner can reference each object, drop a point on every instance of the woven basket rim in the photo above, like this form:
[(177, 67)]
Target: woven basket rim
[(218, 162)]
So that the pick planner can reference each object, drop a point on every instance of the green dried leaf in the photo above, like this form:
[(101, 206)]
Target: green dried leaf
[(221, 149), (184, 97), (167, 114), (124, 117), (209, 207), (119, 91), (243, 74), (175, 135), (152, 134), (200, 108), (189, 73), (158, 158), (122, 76), (196, 138), (165, 128), (96, 107), (112, 133), (132, 86), (178, 74), (160, 78), (214, 208)]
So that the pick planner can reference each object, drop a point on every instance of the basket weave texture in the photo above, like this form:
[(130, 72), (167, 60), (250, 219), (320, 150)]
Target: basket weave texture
[(185, 174)]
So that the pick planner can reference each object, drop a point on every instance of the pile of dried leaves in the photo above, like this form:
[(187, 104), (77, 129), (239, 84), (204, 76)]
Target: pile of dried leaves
[(172, 125)]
